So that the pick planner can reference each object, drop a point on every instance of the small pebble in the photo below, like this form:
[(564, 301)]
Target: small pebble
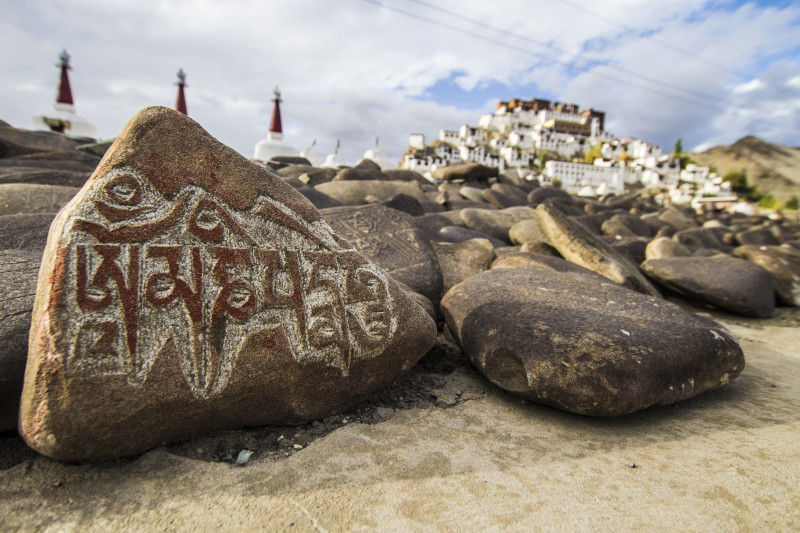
[(632, 465)]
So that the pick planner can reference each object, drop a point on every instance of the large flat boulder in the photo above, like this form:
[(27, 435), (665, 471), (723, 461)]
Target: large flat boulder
[(783, 265), (565, 340), (727, 282), (186, 290)]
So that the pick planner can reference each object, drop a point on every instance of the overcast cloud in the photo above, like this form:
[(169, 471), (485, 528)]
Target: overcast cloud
[(354, 70)]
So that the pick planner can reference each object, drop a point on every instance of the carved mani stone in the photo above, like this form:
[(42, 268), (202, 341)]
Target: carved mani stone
[(185, 290)]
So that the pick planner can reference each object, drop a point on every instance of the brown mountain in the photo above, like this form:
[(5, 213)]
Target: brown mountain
[(770, 167)]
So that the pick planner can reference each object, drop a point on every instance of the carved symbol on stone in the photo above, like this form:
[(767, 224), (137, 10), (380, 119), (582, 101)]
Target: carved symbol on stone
[(203, 277)]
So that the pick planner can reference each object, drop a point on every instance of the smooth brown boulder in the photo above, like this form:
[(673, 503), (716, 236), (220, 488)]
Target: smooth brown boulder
[(580, 246), (186, 290), (783, 265), (593, 348), (730, 283)]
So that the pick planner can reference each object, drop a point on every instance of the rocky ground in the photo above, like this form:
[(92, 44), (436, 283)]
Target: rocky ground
[(676, 330)]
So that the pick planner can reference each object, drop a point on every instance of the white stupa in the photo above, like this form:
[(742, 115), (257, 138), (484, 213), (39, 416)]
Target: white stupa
[(274, 145), (312, 155), (63, 118), (334, 160), (378, 156)]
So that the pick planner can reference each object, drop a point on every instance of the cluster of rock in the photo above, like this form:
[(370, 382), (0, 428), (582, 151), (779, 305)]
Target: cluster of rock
[(185, 289)]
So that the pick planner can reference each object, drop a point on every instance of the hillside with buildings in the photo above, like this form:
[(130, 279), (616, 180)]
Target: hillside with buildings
[(560, 143), (769, 167)]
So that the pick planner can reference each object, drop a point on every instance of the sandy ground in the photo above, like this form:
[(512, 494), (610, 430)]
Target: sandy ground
[(443, 450)]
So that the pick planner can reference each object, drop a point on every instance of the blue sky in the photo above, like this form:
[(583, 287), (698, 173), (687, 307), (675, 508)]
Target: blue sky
[(709, 72)]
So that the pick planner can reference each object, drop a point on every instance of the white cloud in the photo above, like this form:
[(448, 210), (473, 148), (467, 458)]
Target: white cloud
[(353, 70)]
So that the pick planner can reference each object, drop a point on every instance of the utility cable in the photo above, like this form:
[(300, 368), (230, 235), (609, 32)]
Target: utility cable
[(538, 54), (562, 51), (659, 42)]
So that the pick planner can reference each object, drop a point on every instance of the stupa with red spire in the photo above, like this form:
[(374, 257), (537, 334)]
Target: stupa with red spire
[(180, 102), (274, 145), (63, 118)]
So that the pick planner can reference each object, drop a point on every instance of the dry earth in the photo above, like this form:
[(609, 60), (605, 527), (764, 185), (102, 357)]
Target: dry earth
[(443, 450)]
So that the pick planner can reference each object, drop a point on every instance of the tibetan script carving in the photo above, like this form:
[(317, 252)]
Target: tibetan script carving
[(190, 270)]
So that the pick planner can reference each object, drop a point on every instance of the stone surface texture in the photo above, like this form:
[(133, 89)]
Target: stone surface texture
[(729, 283), (565, 340), (392, 240)]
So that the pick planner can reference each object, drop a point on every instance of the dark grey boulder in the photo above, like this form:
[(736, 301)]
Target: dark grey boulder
[(319, 199), (18, 276), (392, 240), (541, 194), (593, 222), (631, 248), (566, 340), (698, 238), (96, 149), (627, 225), (406, 204), (727, 282), (580, 246), (15, 141), (757, 236), (783, 265)]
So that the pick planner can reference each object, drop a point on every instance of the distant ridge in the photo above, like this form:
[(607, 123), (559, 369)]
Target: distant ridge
[(770, 167)]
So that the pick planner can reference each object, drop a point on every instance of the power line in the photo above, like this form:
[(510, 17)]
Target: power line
[(538, 54), (659, 42), (572, 55)]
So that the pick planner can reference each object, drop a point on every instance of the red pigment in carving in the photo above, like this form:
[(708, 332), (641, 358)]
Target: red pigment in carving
[(192, 299), (228, 256), (109, 270)]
